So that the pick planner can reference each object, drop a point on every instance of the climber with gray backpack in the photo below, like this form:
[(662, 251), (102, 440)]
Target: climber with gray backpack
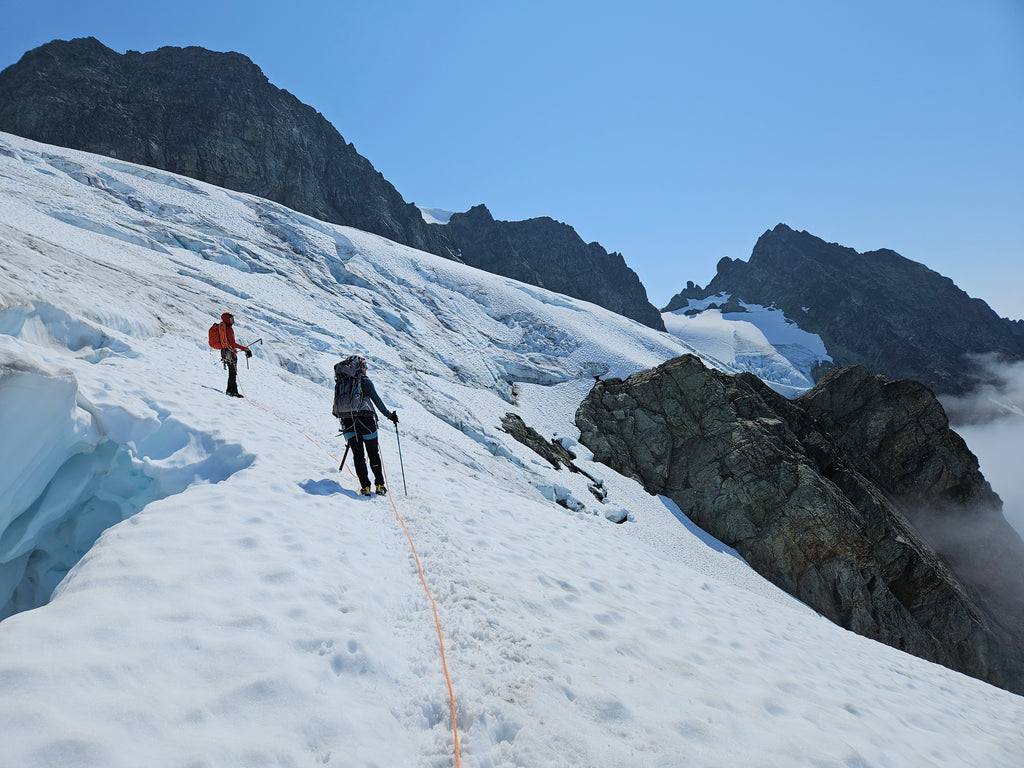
[(354, 400)]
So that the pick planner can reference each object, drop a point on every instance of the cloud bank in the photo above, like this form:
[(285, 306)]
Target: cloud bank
[(991, 420)]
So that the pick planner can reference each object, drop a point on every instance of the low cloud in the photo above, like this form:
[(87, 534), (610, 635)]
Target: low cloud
[(991, 420)]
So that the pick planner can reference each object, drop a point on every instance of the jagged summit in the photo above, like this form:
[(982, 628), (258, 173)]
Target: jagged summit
[(569, 266), (877, 308)]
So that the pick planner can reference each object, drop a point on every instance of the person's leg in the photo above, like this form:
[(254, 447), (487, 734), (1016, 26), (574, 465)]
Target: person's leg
[(231, 363), (355, 444), (367, 426), (360, 461), (373, 452)]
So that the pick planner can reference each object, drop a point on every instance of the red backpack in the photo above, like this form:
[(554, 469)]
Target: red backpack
[(215, 337)]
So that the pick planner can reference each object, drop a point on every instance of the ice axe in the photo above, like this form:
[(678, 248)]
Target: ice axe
[(252, 344)]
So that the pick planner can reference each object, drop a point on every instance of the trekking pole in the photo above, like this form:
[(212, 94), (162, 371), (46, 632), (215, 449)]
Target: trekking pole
[(400, 462)]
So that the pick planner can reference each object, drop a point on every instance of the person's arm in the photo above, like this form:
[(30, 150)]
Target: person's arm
[(234, 344), (371, 392)]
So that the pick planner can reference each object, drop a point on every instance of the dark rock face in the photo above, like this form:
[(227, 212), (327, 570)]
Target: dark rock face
[(550, 254), (832, 497), (211, 116), (877, 309), (901, 437), (215, 117)]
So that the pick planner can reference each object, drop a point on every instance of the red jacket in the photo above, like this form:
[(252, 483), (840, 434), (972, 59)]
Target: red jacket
[(227, 335)]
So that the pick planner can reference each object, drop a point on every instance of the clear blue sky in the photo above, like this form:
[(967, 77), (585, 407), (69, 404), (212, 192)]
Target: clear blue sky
[(672, 132)]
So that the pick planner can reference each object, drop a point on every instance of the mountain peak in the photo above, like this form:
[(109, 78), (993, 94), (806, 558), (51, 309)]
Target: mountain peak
[(217, 118), (878, 309)]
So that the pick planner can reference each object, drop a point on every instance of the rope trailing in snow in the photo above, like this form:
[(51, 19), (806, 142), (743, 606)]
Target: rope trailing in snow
[(419, 567), (437, 621)]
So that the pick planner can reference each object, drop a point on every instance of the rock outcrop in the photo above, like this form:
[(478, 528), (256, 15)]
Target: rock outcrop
[(550, 254), (551, 451), (876, 309), (215, 117), (852, 498)]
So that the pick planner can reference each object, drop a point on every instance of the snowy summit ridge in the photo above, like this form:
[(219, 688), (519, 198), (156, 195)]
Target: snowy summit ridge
[(241, 606)]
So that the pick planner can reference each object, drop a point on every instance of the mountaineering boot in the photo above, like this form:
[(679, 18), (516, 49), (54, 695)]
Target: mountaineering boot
[(364, 491), (381, 490), (234, 394)]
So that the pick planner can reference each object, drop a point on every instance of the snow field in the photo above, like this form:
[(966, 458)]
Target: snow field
[(257, 612)]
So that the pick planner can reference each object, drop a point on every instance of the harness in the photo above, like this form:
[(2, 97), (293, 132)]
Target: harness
[(352, 431)]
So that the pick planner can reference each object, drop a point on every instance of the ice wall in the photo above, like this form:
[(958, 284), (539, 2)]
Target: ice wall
[(69, 471)]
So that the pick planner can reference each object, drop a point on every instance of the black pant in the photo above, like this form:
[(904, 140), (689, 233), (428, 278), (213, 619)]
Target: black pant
[(361, 431), (230, 359)]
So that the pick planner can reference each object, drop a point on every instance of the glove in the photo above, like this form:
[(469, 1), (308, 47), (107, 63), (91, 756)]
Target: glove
[(394, 416), (248, 353)]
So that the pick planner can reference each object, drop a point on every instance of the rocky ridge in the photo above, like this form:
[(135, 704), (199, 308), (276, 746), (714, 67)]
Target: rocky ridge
[(211, 116), (215, 117), (570, 266), (853, 498), (876, 309)]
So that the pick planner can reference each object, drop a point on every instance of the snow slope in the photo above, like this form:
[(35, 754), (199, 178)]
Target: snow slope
[(435, 215), (245, 608), (759, 339)]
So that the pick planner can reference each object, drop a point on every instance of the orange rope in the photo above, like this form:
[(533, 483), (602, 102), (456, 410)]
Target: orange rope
[(419, 567), (437, 621)]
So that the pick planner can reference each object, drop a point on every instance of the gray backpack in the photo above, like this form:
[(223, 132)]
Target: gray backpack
[(348, 387)]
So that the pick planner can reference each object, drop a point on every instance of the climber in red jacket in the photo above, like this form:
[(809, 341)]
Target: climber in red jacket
[(228, 345)]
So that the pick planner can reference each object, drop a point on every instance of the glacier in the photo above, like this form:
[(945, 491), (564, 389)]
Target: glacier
[(192, 582)]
